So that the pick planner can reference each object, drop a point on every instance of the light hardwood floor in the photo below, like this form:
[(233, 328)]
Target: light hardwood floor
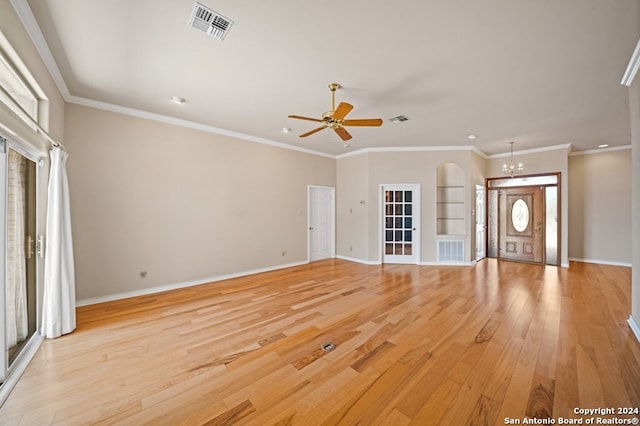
[(415, 345)]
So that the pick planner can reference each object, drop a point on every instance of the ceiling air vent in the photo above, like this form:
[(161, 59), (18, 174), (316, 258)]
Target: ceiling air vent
[(399, 119), (209, 21)]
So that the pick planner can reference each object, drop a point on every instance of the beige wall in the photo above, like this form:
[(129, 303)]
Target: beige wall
[(181, 204), (544, 161), (373, 169), (352, 207), (600, 206)]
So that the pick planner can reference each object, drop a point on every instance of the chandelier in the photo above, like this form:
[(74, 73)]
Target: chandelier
[(512, 169)]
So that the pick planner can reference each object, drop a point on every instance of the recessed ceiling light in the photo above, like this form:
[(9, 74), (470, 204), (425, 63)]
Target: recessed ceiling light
[(604, 145), (178, 100), (471, 136), (286, 129)]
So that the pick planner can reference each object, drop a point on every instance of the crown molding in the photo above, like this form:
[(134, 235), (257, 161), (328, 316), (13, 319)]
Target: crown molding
[(188, 124), (35, 33), (632, 67), (480, 153), (412, 149), (599, 150), (534, 150)]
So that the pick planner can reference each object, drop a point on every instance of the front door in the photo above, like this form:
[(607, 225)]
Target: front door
[(400, 211), (522, 224)]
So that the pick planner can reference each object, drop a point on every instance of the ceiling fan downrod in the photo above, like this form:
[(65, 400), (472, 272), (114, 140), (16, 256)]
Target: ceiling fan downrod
[(333, 87)]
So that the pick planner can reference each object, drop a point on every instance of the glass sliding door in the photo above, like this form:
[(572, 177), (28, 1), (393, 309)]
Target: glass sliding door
[(18, 176)]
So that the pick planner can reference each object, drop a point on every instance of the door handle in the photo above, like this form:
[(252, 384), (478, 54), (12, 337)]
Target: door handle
[(40, 246), (311, 228)]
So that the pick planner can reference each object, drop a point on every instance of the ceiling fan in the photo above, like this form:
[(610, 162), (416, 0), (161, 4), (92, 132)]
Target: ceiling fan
[(334, 118)]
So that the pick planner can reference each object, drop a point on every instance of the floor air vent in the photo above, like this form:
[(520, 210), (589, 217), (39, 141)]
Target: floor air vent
[(209, 21), (451, 251)]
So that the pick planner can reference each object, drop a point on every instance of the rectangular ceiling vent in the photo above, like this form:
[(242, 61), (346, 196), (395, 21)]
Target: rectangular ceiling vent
[(209, 21)]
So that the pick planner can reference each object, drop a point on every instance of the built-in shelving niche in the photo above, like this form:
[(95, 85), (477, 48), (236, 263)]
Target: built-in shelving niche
[(450, 193)]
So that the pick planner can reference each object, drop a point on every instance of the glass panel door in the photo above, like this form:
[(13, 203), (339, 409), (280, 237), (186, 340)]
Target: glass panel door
[(400, 224), (19, 294)]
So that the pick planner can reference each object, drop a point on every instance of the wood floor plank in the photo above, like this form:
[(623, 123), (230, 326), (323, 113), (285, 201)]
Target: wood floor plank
[(420, 345), (438, 406), (566, 386)]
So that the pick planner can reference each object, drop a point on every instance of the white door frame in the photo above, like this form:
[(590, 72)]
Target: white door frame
[(481, 223), (332, 218), (415, 187)]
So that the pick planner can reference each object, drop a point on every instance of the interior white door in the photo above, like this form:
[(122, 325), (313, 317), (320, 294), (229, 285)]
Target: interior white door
[(400, 223), (321, 222), (481, 223)]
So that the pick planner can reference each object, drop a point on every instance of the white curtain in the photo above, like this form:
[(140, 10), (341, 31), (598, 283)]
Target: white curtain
[(16, 290), (59, 300)]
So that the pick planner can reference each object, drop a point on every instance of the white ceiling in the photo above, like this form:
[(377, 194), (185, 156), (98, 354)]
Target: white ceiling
[(541, 73)]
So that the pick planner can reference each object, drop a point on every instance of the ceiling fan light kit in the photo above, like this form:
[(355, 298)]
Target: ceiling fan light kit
[(335, 118)]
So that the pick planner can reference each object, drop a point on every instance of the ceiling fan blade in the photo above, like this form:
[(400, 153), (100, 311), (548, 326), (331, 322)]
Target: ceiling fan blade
[(299, 117), (342, 110), (342, 132), (363, 122), (312, 132)]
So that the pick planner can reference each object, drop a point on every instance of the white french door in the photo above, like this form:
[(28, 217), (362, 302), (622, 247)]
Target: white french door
[(400, 223), (321, 200)]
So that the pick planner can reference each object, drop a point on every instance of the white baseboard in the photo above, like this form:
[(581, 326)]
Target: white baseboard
[(634, 327), (378, 262), (159, 289), (600, 262), (473, 262), (353, 259)]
